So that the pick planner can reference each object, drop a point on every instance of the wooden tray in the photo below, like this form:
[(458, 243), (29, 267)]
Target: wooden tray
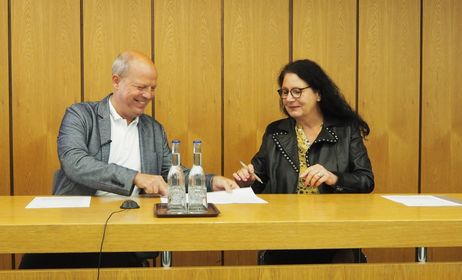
[(160, 210)]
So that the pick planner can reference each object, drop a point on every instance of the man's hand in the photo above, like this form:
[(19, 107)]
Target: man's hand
[(220, 183), (151, 183)]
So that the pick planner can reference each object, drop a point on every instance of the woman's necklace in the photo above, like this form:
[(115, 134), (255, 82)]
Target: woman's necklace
[(305, 137)]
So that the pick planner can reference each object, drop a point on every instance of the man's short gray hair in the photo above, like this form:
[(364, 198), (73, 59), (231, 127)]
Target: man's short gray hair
[(121, 64)]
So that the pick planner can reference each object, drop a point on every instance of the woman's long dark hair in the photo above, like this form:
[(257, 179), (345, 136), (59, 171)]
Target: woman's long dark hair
[(333, 104)]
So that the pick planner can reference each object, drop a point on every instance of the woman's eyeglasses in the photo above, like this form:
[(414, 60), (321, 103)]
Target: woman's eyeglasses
[(295, 92)]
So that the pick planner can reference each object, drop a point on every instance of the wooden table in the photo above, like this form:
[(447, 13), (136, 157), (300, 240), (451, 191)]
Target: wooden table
[(286, 222)]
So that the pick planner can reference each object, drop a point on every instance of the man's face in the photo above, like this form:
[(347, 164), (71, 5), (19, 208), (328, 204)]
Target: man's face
[(133, 92)]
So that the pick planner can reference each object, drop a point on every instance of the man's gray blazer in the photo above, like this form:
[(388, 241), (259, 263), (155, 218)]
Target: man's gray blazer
[(84, 143)]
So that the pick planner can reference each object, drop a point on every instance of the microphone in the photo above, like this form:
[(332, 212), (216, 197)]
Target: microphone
[(105, 143), (101, 146)]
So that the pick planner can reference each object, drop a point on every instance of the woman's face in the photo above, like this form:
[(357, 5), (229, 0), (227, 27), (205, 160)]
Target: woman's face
[(306, 105)]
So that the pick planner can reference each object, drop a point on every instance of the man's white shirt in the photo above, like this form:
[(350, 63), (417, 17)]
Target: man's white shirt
[(125, 145)]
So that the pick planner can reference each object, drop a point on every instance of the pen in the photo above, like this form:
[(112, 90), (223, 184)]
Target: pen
[(256, 177)]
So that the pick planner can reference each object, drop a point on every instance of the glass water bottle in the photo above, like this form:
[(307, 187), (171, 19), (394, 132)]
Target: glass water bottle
[(197, 190), (176, 183)]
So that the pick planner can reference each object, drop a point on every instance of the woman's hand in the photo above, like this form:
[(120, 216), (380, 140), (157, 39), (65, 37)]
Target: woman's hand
[(316, 174), (245, 176)]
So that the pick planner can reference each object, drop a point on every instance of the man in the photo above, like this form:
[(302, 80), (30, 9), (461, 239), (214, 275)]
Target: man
[(111, 147)]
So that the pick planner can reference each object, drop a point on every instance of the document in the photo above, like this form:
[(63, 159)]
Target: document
[(423, 200), (241, 195), (60, 202), (237, 196)]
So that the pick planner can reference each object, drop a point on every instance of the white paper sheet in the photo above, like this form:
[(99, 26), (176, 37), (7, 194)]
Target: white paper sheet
[(60, 202), (241, 196), (421, 200)]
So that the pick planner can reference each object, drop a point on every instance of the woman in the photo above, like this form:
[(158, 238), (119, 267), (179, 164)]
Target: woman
[(318, 148)]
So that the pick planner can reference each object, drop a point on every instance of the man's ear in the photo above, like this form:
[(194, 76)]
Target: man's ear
[(115, 81)]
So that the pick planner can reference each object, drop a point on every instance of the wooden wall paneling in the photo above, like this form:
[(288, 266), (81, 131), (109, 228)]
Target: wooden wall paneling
[(256, 47), (441, 96), (45, 80), (110, 27), (252, 62), (389, 67), (240, 257), (5, 259), (429, 271), (188, 99), (388, 95), (441, 99), (188, 56), (444, 254), (4, 102), (5, 262), (325, 31)]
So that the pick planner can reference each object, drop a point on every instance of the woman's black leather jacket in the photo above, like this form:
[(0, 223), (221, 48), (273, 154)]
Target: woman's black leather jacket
[(339, 148)]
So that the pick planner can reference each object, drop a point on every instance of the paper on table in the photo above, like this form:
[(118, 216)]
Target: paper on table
[(242, 195), (60, 202), (421, 200)]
